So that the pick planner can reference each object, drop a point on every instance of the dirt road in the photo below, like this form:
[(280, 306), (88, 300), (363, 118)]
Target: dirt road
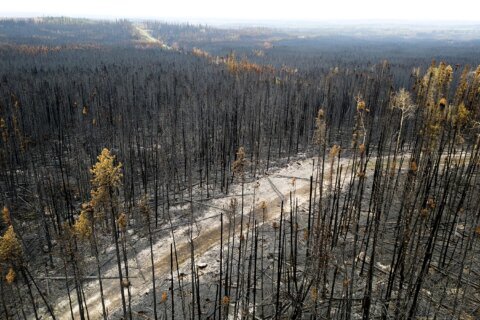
[(269, 188)]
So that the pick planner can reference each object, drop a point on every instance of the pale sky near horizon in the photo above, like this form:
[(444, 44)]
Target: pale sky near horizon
[(296, 10)]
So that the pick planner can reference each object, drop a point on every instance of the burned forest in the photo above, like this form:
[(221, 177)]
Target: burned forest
[(153, 170)]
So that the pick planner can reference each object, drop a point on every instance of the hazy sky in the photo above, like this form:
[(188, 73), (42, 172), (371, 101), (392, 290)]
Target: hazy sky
[(311, 10)]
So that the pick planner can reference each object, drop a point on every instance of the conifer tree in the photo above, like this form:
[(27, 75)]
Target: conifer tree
[(84, 228), (107, 179)]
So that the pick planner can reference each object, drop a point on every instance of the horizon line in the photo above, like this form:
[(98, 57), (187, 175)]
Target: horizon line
[(424, 22)]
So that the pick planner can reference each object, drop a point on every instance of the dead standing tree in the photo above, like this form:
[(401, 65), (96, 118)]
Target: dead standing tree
[(238, 168)]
